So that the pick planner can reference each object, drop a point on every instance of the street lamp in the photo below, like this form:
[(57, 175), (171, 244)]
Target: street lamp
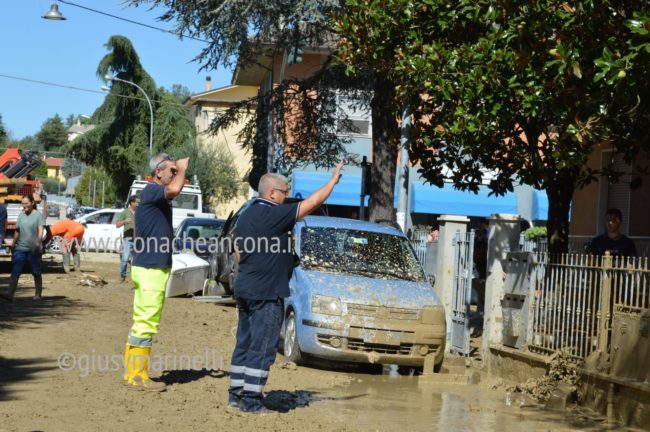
[(53, 13), (109, 77)]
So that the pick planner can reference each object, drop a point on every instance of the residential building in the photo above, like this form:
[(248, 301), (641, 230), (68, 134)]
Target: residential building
[(55, 168), (205, 107)]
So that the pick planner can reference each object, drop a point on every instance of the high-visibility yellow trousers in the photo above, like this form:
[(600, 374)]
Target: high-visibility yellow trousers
[(148, 301)]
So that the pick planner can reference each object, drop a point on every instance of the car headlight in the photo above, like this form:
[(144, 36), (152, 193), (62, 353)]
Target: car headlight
[(325, 305)]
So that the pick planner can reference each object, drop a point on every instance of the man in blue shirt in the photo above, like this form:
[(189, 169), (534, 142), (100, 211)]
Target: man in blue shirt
[(262, 240), (151, 266)]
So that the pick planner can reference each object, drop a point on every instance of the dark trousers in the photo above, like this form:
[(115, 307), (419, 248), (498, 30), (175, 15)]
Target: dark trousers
[(258, 333), (19, 259)]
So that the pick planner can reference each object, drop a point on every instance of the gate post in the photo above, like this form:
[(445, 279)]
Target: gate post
[(445, 266), (605, 304), (503, 237)]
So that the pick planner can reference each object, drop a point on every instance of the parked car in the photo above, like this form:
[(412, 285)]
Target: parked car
[(101, 233), (359, 294), (198, 235), (53, 210)]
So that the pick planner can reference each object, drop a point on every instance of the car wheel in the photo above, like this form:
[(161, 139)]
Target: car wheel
[(291, 347), (54, 245)]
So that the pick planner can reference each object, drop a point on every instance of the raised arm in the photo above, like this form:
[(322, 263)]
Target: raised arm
[(317, 198)]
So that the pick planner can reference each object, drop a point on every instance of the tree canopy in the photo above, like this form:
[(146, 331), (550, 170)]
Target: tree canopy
[(516, 89), (4, 136), (238, 35), (53, 134), (119, 144)]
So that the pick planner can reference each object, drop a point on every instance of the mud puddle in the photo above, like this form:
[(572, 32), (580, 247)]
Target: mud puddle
[(399, 403)]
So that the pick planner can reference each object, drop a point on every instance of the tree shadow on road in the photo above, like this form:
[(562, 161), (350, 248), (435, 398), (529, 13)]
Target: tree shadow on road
[(19, 370), (25, 311)]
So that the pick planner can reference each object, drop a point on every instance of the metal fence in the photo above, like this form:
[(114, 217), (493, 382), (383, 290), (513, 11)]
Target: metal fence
[(419, 243), (574, 299)]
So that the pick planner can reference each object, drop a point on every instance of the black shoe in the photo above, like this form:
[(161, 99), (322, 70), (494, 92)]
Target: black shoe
[(260, 411)]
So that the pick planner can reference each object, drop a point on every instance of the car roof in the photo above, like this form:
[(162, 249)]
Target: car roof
[(337, 222), (111, 210), (203, 220)]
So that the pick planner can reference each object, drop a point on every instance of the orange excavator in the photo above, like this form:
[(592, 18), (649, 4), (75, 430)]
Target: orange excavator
[(15, 182)]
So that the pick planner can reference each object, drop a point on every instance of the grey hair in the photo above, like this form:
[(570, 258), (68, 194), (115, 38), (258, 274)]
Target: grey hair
[(270, 181), (156, 160)]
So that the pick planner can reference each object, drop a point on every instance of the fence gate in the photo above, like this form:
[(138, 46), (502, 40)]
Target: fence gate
[(462, 291)]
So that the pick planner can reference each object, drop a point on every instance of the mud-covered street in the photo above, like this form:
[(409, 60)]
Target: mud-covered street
[(59, 371)]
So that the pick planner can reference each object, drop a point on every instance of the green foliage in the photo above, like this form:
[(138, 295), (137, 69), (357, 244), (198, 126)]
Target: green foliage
[(228, 26), (41, 171), (535, 232), (52, 185), (120, 141), (514, 88), (29, 143), (53, 134), (72, 167), (4, 137), (215, 170), (90, 184), (241, 34)]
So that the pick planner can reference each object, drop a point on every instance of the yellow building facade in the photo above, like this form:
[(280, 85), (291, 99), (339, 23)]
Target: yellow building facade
[(205, 107)]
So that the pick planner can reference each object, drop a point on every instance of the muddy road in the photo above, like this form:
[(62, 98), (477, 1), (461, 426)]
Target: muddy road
[(60, 371)]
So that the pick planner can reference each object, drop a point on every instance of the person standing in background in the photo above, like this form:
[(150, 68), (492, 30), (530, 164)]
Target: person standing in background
[(26, 247), (126, 219), (3, 223), (613, 241)]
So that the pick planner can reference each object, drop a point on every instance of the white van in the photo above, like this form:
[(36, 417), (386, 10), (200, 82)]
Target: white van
[(188, 204)]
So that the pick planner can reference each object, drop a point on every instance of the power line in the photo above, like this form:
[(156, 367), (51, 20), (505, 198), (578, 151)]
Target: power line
[(52, 84), (134, 22)]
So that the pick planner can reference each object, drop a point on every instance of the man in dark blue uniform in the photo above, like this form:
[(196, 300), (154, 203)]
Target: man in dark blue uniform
[(265, 266), (152, 263)]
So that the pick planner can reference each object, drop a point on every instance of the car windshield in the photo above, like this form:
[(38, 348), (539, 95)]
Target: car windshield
[(359, 252)]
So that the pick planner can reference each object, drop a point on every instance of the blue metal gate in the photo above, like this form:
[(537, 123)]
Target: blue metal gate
[(462, 292)]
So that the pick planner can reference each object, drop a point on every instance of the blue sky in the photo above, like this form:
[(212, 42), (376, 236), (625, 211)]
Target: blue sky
[(68, 52)]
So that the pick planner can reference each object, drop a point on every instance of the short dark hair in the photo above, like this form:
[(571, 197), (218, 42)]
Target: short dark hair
[(614, 212), (132, 199)]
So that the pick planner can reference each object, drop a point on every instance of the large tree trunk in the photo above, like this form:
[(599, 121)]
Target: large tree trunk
[(560, 193), (385, 136)]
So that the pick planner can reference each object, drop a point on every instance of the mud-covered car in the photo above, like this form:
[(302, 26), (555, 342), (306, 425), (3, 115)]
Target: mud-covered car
[(359, 294)]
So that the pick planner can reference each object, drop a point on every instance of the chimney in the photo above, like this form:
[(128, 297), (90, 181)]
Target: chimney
[(208, 83)]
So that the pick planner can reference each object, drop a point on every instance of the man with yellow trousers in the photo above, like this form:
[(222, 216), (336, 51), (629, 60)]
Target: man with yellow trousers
[(151, 266)]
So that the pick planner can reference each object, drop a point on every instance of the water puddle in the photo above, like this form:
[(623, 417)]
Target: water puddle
[(400, 403)]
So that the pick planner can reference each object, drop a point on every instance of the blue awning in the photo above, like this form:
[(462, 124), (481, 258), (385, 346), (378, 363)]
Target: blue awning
[(540, 205), (426, 198), (347, 192)]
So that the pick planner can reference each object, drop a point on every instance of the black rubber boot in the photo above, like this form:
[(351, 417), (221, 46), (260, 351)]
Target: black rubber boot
[(38, 283), (8, 293)]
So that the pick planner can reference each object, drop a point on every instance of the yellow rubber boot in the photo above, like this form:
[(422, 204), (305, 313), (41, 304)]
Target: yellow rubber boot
[(137, 364)]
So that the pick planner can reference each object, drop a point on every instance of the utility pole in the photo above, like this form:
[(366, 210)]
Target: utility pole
[(103, 194), (94, 190), (403, 168)]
